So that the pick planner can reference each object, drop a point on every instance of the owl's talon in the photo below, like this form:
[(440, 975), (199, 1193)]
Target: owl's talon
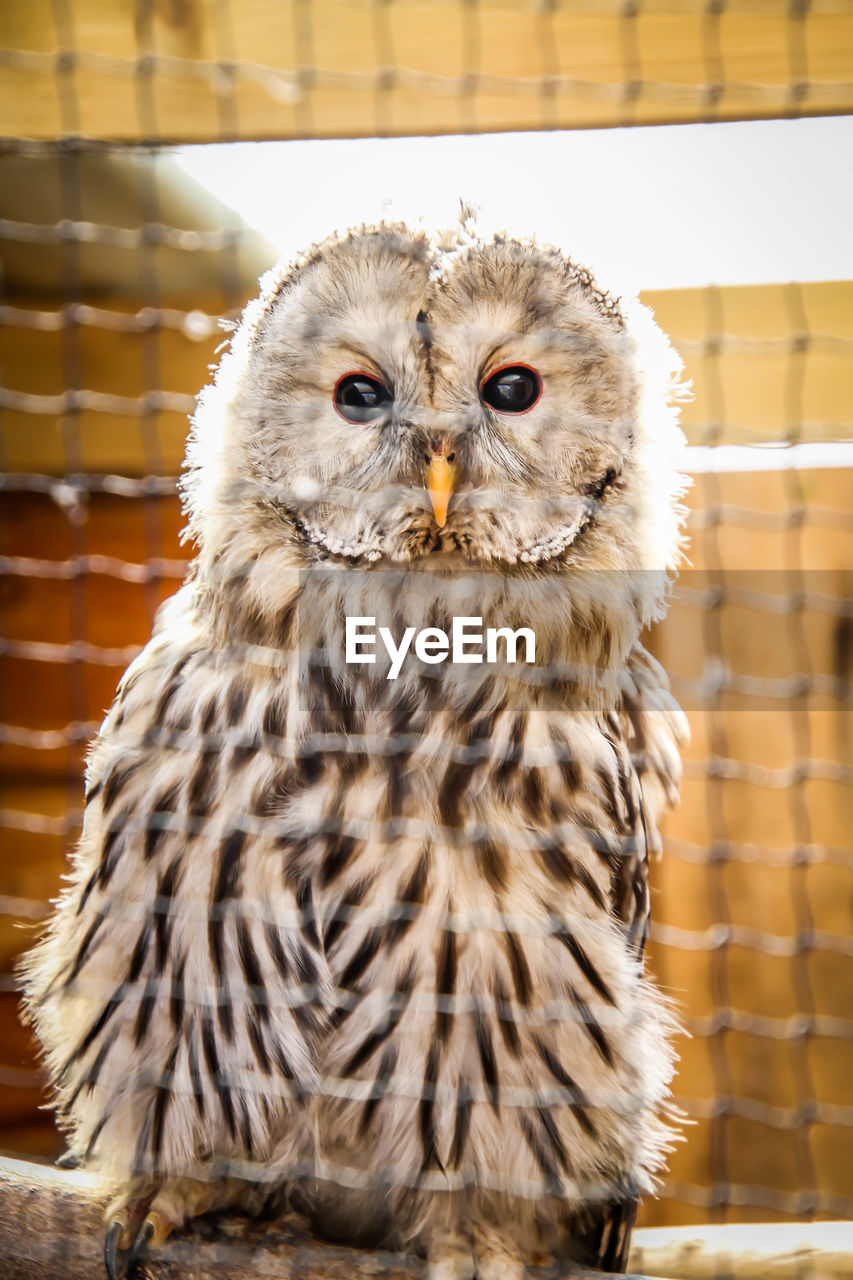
[(139, 1252), (111, 1240)]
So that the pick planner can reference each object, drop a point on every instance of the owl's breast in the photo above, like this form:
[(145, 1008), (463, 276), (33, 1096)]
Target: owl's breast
[(486, 1017)]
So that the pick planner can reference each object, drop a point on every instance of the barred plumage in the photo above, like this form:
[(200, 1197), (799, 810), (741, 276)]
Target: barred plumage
[(373, 946)]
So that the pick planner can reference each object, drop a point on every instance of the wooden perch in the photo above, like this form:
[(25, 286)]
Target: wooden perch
[(51, 1225), (51, 1228)]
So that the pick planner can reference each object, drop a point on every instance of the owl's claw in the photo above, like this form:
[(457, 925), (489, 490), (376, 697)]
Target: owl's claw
[(123, 1217), (114, 1231), (139, 1251)]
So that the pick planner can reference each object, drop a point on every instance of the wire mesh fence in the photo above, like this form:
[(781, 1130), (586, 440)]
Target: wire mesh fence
[(115, 275), (311, 69)]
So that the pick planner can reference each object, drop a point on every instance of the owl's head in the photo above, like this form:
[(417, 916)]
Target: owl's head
[(397, 399)]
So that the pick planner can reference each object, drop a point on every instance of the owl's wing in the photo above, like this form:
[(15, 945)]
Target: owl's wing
[(648, 733), (165, 989), (653, 729)]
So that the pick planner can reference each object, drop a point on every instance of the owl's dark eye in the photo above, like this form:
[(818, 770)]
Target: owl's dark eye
[(359, 397), (513, 389)]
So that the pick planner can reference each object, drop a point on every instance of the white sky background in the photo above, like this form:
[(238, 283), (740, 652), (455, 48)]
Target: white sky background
[(646, 208)]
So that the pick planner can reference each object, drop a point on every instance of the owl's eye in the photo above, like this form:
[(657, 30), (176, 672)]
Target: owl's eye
[(359, 397), (513, 389)]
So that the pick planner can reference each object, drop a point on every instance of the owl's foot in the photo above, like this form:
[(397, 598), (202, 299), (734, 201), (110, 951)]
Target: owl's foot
[(141, 1244), (496, 1266), (124, 1218), (495, 1257), (153, 1232), (490, 1259), (143, 1223), (114, 1230), (449, 1257)]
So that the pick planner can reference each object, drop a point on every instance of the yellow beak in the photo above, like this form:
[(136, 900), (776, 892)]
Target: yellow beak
[(441, 479)]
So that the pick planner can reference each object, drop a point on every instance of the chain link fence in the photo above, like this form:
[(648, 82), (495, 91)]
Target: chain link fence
[(116, 272)]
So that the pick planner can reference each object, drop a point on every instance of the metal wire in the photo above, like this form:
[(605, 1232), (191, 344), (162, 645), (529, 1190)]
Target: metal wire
[(290, 86)]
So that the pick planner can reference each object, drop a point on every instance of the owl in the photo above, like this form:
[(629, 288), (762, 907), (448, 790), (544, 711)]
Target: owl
[(356, 923)]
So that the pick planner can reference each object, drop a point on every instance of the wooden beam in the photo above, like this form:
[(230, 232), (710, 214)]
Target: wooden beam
[(747, 1251), (51, 1224), (353, 68)]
